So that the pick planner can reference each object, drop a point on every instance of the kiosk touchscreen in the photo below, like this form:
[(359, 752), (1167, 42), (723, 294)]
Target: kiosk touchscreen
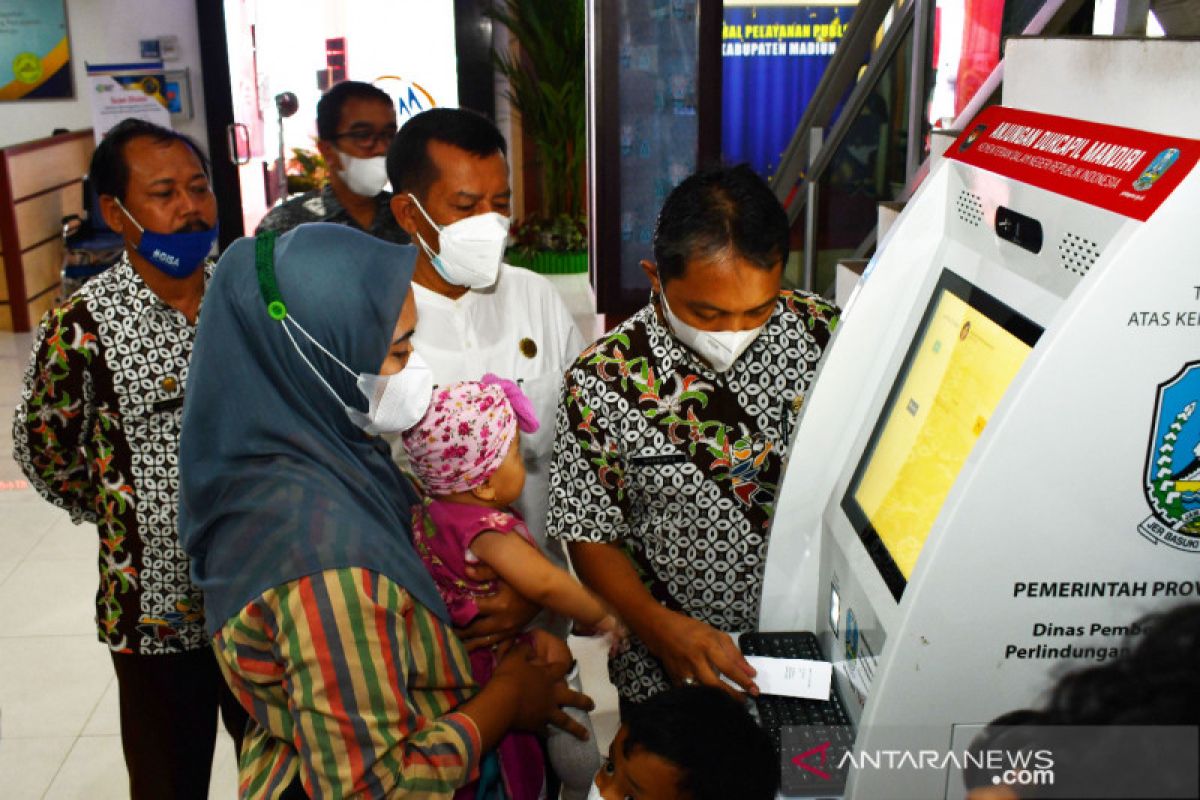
[(967, 350), (995, 473)]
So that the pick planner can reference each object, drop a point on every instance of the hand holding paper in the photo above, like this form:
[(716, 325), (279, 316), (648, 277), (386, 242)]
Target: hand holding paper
[(793, 677)]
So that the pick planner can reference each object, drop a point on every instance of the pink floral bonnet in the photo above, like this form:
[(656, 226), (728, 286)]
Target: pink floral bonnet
[(465, 435)]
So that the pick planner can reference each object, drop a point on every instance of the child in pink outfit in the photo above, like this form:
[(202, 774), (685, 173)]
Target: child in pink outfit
[(466, 453)]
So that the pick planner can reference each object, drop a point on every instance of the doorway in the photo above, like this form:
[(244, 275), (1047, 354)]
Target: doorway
[(252, 51)]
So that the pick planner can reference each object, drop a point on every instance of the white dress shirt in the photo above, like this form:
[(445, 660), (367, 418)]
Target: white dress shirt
[(519, 329)]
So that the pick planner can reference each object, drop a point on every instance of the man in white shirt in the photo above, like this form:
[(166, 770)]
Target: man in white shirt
[(449, 176)]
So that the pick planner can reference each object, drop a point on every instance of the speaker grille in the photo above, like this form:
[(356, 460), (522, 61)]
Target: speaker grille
[(1077, 254), (970, 208)]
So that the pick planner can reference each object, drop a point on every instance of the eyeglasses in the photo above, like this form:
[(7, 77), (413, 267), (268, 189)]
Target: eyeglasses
[(367, 138)]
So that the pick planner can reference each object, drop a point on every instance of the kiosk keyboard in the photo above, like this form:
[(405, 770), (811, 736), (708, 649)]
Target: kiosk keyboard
[(820, 732)]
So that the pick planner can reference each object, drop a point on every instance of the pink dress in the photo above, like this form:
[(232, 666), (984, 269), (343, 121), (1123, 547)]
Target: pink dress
[(443, 533)]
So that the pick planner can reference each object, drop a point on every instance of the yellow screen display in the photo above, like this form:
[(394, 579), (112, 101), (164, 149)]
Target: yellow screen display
[(962, 367)]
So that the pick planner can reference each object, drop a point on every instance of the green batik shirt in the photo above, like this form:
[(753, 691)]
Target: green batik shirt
[(322, 205), (655, 450)]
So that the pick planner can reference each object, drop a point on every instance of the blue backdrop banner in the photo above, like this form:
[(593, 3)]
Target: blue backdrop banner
[(773, 57)]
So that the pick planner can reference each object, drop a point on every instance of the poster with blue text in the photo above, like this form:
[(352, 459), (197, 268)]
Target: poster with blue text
[(35, 56), (773, 57), (120, 91)]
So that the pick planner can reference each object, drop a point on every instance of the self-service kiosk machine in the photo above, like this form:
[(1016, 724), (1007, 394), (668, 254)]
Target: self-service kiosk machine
[(1001, 454)]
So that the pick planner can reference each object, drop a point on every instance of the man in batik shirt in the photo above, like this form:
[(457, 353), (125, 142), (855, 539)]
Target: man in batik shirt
[(97, 433), (673, 433), (355, 124)]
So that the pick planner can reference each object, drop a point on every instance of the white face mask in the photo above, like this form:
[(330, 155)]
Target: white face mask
[(719, 348), (471, 249), (366, 177), (394, 402)]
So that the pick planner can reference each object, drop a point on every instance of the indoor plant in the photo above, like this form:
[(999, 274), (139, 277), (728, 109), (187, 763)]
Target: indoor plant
[(546, 86), (551, 246), (305, 171)]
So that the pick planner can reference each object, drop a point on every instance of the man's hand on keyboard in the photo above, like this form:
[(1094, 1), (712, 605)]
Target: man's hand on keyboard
[(695, 652)]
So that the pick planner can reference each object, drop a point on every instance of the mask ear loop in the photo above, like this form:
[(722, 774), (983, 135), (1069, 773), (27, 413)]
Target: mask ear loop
[(662, 303), (424, 213), (264, 266), (434, 258), (121, 206)]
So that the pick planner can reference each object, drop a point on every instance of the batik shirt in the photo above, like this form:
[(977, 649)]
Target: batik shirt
[(97, 433), (322, 205), (680, 464)]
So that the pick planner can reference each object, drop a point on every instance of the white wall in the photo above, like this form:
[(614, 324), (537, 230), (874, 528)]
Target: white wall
[(107, 31), (1094, 79), (410, 38), (413, 39)]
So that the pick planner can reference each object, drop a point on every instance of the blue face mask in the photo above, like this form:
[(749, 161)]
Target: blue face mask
[(176, 254)]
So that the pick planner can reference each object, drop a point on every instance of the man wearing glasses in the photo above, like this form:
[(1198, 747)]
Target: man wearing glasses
[(355, 124)]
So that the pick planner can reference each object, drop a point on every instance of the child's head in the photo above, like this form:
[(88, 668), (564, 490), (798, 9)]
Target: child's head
[(468, 440), (1088, 723), (690, 743)]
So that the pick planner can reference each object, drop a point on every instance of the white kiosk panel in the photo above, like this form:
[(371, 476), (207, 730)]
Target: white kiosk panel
[(1008, 438)]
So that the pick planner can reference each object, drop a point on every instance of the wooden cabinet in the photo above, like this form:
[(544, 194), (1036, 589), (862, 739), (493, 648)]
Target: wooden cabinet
[(40, 183)]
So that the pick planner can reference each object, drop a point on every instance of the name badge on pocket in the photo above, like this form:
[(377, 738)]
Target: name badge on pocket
[(658, 459), (166, 405)]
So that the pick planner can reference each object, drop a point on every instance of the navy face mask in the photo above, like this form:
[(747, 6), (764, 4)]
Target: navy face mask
[(176, 254)]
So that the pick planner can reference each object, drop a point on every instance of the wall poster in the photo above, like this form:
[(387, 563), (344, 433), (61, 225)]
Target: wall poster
[(127, 90), (35, 55)]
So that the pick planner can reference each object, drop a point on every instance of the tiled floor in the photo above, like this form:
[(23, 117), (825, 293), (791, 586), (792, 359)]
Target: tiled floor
[(59, 731)]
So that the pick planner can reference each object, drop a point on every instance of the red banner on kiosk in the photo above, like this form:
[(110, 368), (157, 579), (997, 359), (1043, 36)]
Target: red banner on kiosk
[(1124, 170)]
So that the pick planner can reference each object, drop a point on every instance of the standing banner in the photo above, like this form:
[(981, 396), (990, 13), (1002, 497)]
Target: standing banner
[(120, 91), (773, 57), (35, 56)]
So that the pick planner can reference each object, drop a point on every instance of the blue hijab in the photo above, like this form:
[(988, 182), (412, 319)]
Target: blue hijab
[(276, 482)]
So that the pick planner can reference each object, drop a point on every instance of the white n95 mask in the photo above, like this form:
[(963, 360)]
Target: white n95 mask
[(471, 249), (366, 177), (395, 402), (719, 348)]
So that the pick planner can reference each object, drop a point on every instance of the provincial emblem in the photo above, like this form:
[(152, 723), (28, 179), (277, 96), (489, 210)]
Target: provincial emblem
[(1172, 476), (1161, 163)]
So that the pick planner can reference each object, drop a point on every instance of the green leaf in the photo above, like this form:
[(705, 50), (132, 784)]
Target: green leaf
[(546, 74)]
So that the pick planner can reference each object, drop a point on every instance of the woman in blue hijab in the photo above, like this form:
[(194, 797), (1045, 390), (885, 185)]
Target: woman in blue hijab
[(323, 618)]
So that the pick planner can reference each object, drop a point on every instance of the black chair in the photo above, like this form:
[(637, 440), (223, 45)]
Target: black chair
[(89, 245)]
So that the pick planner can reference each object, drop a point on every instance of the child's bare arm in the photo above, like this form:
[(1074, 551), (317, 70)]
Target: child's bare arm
[(525, 569)]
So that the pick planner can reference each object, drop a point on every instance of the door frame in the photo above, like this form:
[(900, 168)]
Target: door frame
[(218, 111)]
